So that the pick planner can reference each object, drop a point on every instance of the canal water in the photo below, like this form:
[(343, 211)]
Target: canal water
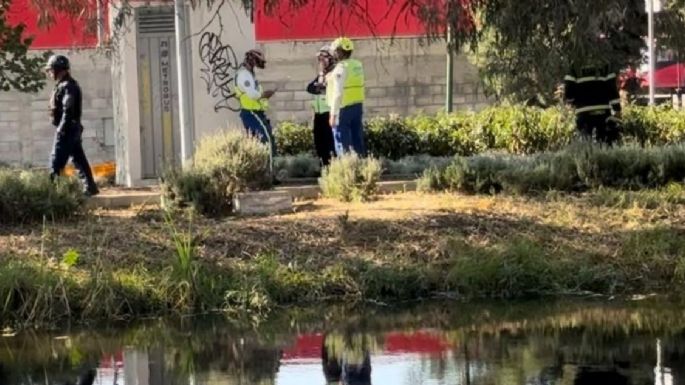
[(445, 343)]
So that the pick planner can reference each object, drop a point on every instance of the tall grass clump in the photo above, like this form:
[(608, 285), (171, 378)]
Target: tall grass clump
[(350, 178), (671, 195), (580, 167), (27, 196), (223, 165)]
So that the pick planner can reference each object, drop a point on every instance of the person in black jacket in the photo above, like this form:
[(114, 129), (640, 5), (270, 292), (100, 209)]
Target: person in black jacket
[(65, 109), (323, 133), (592, 89)]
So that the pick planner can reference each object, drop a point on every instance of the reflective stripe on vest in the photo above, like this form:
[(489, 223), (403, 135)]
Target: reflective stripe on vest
[(599, 107), (329, 89), (353, 92), (586, 79), (247, 103), (319, 104)]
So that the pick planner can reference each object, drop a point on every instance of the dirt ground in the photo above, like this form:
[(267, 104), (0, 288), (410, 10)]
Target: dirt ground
[(401, 228)]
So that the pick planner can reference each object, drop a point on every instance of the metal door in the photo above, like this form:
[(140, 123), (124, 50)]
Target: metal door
[(158, 89)]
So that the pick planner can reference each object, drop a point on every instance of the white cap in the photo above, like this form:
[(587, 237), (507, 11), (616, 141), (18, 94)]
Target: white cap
[(326, 48)]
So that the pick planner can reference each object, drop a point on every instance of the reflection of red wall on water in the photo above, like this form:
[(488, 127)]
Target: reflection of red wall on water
[(309, 345), (306, 346), (108, 361), (419, 342)]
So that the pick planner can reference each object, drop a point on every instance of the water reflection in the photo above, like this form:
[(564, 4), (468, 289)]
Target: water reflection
[(441, 344), (346, 359)]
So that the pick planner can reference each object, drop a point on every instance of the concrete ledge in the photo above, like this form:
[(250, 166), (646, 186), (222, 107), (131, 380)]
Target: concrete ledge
[(396, 186), (302, 192), (314, 192), (262, 202), (126, 199)]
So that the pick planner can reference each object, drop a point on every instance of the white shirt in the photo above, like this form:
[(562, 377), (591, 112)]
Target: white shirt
[(336, 80), (247, 83)]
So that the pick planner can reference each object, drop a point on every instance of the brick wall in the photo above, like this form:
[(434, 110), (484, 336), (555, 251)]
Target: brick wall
[(26, 134), (403, 77)]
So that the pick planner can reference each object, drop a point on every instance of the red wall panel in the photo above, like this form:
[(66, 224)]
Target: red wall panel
[(316, 21), (63, 33)]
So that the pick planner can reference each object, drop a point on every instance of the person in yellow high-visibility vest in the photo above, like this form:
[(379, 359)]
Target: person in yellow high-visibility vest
[(323, 134), (345, 97), (254, 101)]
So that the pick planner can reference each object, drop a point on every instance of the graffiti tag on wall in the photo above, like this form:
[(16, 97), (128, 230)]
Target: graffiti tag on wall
[(219, 67)]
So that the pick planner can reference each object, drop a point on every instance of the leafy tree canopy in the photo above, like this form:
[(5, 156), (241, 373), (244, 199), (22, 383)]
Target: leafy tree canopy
[(19, 69), (521, 47)]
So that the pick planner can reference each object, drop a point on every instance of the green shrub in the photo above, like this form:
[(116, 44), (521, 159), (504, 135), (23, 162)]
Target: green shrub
[(224, 164), (654, 126), (30, 195), (577, 168), (515, 129), (351, 178), (309, 166), (391, 138), (294, 139), (523, 268), (432, 179), (413, 164), (297, 166), (190, 188)]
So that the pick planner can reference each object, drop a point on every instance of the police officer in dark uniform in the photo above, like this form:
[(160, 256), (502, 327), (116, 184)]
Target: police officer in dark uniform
[(65, 108), (323, 133), (592, 90)]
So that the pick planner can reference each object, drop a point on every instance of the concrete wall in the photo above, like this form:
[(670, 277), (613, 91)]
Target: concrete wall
[(403, 77), (217, 48), (124, 75), (26, 133), (215, 52)]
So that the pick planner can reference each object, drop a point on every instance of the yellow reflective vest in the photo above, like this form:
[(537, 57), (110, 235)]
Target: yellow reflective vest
[(319, 104), (247, 103), (353, 89)]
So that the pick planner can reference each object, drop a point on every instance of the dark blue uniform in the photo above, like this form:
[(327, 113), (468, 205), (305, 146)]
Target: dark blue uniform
[(593, 92), (66, 107)]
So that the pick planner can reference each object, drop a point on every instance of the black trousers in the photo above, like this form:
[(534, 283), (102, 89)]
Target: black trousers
[(323, 138), (69, 145), (605, 130)]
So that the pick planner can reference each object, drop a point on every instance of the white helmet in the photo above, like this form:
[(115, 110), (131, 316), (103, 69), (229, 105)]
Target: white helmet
[(324, 51)]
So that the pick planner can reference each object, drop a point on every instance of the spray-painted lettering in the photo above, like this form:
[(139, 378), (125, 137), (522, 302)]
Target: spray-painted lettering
[(220, 65)]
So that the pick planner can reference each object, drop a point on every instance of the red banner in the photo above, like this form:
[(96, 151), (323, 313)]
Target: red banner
[(64, 33), (319, 20)]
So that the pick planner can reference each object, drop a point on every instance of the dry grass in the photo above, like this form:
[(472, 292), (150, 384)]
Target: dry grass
[(404, 246), (409, 227)]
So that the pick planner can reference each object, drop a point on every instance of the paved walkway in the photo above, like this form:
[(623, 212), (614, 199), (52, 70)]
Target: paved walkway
[(113, 198)]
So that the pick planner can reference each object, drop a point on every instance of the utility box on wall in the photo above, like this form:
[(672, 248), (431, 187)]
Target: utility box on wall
[(145, 78), (157, 77)]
